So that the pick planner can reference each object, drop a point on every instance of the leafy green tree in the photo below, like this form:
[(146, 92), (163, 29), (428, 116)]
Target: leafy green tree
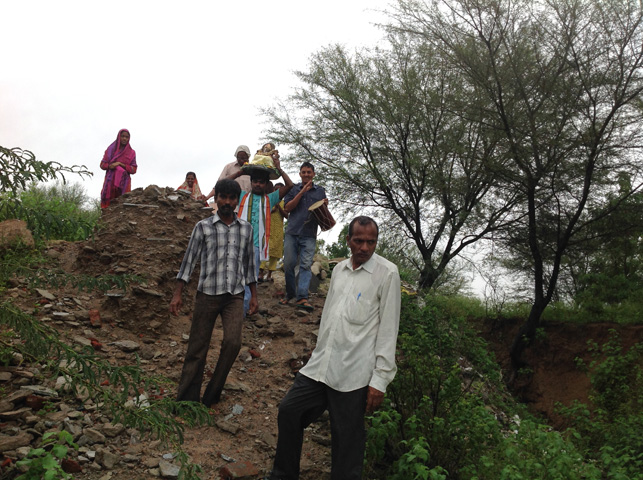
[(54, 211), (339, 249), (558, 84), (606, 270), (19, 168), (380, 127)]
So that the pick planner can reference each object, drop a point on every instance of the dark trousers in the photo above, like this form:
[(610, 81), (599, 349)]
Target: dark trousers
[(303, 404), (206, 310)]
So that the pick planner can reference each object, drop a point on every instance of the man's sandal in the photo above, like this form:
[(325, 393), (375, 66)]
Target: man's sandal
[(303, 304), (284, 301)]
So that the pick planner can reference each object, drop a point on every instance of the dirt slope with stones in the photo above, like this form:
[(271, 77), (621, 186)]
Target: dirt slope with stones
[(145, 233)]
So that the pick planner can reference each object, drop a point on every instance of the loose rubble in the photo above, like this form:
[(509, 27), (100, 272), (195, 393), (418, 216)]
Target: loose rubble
[(144, 235)]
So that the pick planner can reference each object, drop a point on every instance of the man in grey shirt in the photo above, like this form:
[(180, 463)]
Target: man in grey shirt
[(224, 246)]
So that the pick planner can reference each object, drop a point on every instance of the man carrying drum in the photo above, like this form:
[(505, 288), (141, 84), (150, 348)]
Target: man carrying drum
[(301, 235)]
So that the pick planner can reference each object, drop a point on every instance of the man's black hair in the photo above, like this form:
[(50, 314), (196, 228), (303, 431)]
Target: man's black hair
[(227, 187), (307, 164), (363, 221), (259, 175)]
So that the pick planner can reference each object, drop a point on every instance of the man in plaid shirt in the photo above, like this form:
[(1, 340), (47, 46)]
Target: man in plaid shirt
[(224, 246)]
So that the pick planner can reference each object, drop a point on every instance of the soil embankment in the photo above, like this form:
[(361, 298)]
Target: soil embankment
[(145, 234)]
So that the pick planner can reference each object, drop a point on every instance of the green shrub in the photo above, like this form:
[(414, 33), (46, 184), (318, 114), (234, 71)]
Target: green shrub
[(608, 430), (448, 416), (44, 462), (435, 420), (533, 451), (55, 212)]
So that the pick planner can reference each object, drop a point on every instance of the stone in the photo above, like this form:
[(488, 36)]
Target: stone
[(112, 430), (31, 419), (6, 406), (13, 232), (85, 342), (245, 356), (63, 383), (239, 470), (73, 427), (5, 376), (14, 414), (35, 402), (94, 318), (151, 462), (11, 442), (56, 417), (126, 345), (321, 439), (147, 291), (22, 452), (139, 402), (40, 390), (227, 427), (18, 396), (94, 436), (107, 459), (316, 268), (269, 439), (70, 466), (17, 358), (168, 469), (45, 294)]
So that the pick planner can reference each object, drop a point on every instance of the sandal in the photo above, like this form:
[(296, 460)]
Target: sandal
[(303, 304), (284, 301)]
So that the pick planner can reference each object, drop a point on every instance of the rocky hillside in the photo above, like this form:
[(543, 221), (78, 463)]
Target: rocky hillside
[(145, 234)]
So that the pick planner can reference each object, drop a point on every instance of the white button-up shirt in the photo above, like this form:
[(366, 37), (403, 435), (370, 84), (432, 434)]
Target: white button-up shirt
[(359, 325)]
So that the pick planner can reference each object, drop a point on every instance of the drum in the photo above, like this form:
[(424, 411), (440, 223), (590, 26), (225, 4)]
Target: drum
[(322, 215)]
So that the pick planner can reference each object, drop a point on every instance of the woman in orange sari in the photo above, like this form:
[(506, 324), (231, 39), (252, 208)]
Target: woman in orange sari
[(191, 185), (119, 162)]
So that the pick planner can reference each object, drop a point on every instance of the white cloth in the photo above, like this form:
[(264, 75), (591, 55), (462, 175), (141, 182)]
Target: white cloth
[(359, 325), (243, 181)]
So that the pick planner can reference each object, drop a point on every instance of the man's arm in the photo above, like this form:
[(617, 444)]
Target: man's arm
[(254, 302), (235, 175), (374, 399), (389, 313), (287, 181), (177, 298), (291, 205), (191, 256)]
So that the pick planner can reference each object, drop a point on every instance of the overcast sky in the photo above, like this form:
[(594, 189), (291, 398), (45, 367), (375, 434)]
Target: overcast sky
[(186, 78)]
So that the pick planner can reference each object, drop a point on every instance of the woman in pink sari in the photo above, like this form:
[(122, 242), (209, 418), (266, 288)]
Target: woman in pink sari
[(119, 162)]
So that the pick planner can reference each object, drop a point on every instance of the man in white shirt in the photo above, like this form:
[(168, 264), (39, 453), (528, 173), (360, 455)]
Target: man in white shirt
[(242, 155), (353, 362)]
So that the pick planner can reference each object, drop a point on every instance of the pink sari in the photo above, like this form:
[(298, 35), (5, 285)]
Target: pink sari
[(117, 180)]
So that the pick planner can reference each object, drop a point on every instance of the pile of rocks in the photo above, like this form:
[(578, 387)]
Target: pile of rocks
[(145, 233)]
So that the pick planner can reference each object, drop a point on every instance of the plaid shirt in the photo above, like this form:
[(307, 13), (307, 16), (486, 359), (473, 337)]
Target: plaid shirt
[(226, 254)]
